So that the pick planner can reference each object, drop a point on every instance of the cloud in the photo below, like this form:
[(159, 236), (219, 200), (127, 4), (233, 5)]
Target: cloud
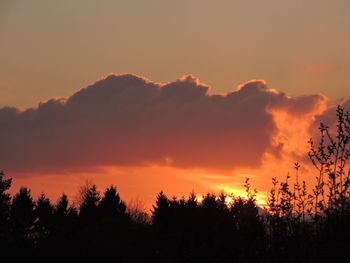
[(329, 117), (127, 120), (319, 69)]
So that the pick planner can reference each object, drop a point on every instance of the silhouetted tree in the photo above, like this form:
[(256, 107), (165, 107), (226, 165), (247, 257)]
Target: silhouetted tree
[(330, 157), (62, 206), (136, 212), (5, 185), (22, 211), (192, 202), (110, 204), (90, 200), (160, 210), (44, 212)]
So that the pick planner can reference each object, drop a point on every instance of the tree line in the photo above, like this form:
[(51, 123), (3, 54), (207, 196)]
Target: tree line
[(297, 225)]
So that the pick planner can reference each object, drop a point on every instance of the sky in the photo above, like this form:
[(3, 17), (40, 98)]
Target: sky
[(166, 95)]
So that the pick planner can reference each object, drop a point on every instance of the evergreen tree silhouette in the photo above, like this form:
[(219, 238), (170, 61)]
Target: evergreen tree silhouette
[(62, 206), (22, 212), (110, 204), (44, 212), (5, 185), (89, 206), (160, 209)]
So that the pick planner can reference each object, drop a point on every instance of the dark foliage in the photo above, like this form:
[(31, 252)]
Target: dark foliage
[(88, 207), (22, 209), (111, 205), (5, 185)]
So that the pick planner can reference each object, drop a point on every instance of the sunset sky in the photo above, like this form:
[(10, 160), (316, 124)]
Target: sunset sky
[(167, 95)]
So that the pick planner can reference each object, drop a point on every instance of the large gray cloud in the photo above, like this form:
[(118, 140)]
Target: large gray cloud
[(127, 120)]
